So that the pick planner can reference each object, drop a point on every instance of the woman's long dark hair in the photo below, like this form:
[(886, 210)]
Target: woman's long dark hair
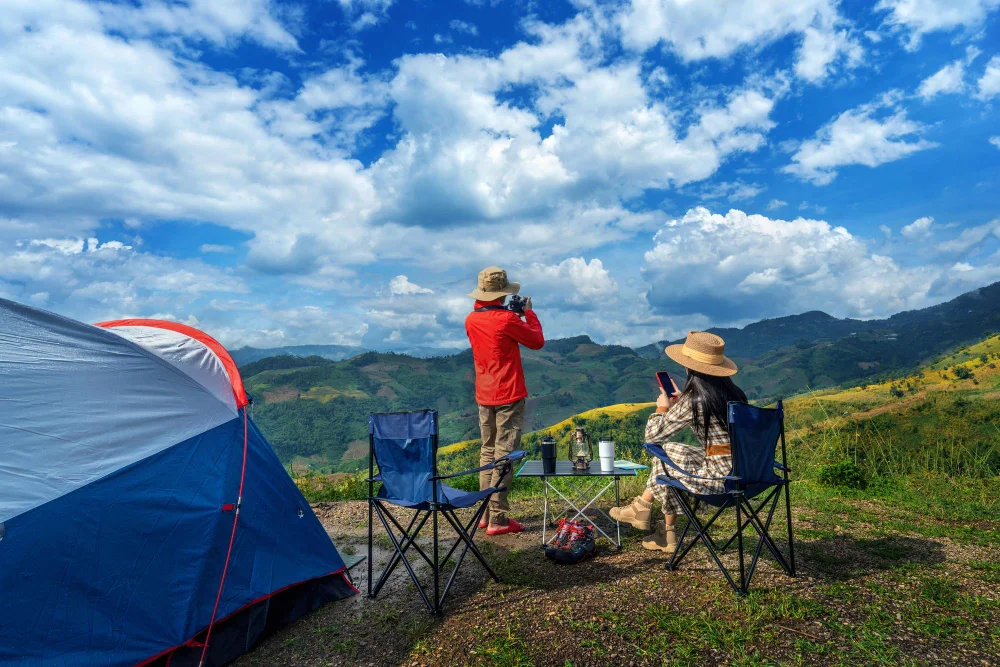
[(710, 396)]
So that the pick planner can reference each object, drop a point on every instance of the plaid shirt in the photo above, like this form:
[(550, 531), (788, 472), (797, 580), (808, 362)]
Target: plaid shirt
[(664, 425)]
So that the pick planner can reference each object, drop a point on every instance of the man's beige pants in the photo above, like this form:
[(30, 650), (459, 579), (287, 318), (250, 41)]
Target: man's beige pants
[(500, 426)]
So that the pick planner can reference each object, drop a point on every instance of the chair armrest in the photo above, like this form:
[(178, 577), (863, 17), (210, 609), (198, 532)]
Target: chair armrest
[(508, 460), (782, 467), (658, 452)]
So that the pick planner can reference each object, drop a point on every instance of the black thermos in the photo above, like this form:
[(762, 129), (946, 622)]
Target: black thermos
[(549, 455)]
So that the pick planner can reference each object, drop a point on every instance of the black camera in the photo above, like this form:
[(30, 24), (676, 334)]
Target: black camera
[(516, 304)]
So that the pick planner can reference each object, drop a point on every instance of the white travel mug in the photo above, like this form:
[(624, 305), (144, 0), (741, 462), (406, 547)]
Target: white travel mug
[(606, 450)]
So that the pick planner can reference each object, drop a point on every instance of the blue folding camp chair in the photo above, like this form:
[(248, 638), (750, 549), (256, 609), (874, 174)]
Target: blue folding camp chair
[(404, 446), (754, 434)]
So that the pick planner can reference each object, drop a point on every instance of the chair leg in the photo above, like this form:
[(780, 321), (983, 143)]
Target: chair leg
[(470, 545), (739, 544), (408, 541), (400, 552), (788, 519), (437, 599), (370, 517)]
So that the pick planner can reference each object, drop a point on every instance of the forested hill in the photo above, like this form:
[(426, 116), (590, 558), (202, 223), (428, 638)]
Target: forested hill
[(932, 329), (314, 410)]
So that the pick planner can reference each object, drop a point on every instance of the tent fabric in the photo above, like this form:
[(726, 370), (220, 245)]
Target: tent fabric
[(194, 352), (78, 403), (124, 568)]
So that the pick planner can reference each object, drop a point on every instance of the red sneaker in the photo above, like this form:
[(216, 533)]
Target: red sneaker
[(484, 523), (511, 527)]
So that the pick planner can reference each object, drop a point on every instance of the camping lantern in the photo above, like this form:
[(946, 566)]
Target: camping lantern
[(584, 449)]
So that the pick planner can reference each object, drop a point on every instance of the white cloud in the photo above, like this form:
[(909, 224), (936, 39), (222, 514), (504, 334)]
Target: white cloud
[(920, 17), (207, 248), (573, 282), (819, 52), (870, 135), (989, 82), (733, 191), (775, 204), (463, 26), (919, 229), (365, 13), (995, 141), (948, 79), (736, 266), (222, 23), (95, 280), (402, 285), (718, 28)]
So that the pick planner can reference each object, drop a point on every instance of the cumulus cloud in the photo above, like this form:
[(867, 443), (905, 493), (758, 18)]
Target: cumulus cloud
[(869, 135), (919, 229), (365, 13), (402, 285), (920, 17), (989, 82), (95, 280), (718, 28), (574, 282), (734, 266), (948, 79)]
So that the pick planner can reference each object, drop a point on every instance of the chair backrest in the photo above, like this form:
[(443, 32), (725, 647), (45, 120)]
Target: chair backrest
[(404, 445), (753, 436)]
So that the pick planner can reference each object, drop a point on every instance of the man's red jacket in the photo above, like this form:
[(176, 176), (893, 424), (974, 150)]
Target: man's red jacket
[(495, 335)]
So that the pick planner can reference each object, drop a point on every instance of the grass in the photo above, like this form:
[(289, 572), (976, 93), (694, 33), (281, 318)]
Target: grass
[(895, 505)]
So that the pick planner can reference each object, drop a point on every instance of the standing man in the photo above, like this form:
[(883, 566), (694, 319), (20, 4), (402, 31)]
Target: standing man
[(495, 331)]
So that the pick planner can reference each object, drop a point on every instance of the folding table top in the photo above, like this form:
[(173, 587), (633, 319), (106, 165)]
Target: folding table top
[(564, 468)]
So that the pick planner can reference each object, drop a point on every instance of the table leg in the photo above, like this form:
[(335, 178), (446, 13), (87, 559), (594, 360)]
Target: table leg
[(545, 510), (618, 503), (580, 511)]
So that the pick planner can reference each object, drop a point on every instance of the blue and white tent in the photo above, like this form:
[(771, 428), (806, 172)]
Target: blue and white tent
[(142, 514)]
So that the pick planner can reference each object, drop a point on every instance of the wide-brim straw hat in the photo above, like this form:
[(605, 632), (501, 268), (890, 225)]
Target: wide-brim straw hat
[(703, 352), (493, 284)]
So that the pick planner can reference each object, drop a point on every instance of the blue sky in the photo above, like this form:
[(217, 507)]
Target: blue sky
[(338, 172)]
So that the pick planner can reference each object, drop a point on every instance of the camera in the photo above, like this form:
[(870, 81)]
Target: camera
[(516, 304)]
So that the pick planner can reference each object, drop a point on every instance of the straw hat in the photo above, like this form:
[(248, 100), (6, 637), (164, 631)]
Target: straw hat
[(703, 352), (493, 284)]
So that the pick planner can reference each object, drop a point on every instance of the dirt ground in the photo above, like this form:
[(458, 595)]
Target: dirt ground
[(861, 596)]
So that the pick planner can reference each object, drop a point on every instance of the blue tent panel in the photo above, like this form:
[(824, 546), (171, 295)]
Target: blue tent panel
[(128, 567)]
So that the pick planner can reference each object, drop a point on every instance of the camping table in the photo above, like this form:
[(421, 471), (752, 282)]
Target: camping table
[(592, 477)]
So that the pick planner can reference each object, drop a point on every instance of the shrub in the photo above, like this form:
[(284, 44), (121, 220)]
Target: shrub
[(962, 373), (844, 474)]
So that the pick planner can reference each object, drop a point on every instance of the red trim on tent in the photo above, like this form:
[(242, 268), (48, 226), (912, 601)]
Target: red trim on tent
[(215, 346), (341, 572)]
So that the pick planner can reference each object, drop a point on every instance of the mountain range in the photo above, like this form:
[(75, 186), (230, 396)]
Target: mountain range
[(314, 409)]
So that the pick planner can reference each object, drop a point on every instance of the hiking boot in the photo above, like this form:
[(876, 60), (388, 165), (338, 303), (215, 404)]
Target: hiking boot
[(636, 514), (563, 532), (581, 544), (510, 527), (663, 539)]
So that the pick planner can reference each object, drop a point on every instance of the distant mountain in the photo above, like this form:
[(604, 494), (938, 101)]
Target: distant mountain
[(314, 409), (768, 335), (245, 355), (947, 323)]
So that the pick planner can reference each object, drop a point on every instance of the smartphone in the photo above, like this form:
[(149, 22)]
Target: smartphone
[(663, 378)]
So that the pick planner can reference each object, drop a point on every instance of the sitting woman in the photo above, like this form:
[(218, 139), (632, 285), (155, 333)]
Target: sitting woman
[(703, 406)]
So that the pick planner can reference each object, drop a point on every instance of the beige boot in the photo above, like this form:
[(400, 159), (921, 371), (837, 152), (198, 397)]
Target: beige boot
[(664, 539), (636, 514)]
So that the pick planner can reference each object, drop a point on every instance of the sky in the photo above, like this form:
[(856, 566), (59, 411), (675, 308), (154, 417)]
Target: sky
[(338, 172)]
